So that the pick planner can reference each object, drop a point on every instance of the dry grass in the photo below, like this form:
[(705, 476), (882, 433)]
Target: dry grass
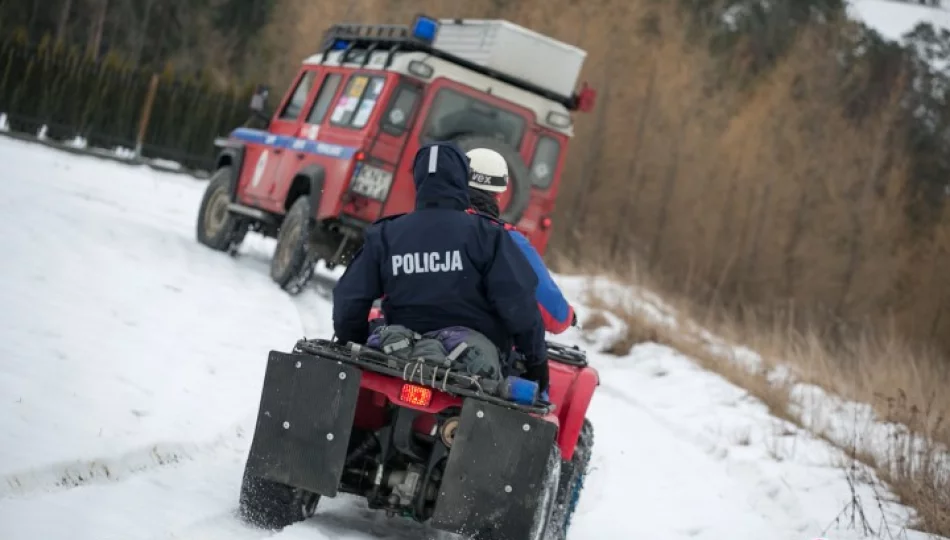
[(905, 387), (595, 321)]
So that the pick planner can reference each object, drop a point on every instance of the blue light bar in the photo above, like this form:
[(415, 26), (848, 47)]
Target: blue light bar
[(339, 45), (425, 28)]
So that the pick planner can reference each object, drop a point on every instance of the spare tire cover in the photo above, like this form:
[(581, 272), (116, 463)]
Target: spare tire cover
[(520, 178)]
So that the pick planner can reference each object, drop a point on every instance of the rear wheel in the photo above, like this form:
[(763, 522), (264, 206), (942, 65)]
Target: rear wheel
[(573, 474), (545, 513), (271, 505), (292, 265), (218, 228)]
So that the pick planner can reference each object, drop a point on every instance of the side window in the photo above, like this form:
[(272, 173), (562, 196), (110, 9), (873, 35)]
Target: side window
[(295, 105), (401, 108), (324, 98), (544, 162), (358, 101)]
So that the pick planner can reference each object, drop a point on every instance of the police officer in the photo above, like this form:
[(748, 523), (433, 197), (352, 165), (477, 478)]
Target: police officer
[(489, 179), (441, 266)]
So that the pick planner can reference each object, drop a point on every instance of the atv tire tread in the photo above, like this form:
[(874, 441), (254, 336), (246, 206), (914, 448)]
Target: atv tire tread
[(546, 521), (234, 229), (573, 474), (299, 269), (271, 505)]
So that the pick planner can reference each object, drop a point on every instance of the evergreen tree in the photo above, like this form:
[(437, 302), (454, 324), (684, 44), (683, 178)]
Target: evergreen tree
[(240, 22)]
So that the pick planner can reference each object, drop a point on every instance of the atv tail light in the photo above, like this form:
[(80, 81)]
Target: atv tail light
[(546, 223), (416, 395)]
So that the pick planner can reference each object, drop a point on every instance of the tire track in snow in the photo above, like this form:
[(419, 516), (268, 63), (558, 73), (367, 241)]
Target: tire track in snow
[(686, 435), (340, 517), (768, 496), (225, 525), (81, 472)]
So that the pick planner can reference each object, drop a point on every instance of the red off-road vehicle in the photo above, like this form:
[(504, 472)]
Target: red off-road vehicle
[(336, 154)]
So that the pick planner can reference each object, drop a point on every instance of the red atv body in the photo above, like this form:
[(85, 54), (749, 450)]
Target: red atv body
[(419, 441)]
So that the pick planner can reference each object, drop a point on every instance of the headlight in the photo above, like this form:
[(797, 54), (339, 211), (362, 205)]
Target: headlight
[(372, 182)]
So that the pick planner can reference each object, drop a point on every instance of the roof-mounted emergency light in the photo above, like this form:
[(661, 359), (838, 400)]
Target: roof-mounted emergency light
[(424, 28)]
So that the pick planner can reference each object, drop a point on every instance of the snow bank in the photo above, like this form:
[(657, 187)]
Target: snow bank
[(842, 421)]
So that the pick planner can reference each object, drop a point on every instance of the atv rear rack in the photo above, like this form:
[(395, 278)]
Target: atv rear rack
[(572, 356), (437, 377)]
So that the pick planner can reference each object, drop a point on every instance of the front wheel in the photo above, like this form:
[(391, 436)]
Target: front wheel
[(292, 265), (271, 505), (218, 228)]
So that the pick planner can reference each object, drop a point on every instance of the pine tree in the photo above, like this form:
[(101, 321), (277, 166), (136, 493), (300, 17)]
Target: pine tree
[(240, 22)]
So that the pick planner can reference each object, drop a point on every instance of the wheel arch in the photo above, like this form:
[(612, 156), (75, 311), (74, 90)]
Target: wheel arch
[(574, 409), (307, 181), (230, 155)]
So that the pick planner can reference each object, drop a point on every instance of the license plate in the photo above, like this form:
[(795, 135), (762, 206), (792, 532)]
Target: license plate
[(372, 182)]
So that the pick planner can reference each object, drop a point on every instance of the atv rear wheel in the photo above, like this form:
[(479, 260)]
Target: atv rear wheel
[(545, 512), (271, 505), (218, 228), (292, 264), (573, 473)]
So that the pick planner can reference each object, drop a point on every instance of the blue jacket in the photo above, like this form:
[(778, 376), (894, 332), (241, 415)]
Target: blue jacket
[(556, 312), (440, 266)]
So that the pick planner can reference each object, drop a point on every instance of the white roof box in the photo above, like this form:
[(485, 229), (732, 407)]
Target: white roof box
[(513, 50)]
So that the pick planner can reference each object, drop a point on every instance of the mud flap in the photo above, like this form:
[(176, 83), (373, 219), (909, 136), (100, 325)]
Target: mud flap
[(304, 422), (496, 473)]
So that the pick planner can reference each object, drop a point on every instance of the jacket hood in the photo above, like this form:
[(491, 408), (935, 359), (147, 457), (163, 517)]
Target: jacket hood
[(440, 172)]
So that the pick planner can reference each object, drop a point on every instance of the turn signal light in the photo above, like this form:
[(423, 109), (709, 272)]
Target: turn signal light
[(419, 396)]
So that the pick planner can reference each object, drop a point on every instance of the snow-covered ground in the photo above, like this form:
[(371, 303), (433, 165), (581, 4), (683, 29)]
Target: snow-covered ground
[(131, 360)]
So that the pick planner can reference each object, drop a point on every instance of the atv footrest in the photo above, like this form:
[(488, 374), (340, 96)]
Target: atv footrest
[(304, 422), (496, 473)]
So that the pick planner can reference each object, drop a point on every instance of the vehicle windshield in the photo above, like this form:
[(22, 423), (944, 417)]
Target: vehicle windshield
[(453, 114)]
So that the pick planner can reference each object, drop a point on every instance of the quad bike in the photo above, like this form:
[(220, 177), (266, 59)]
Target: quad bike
[(483, 459)]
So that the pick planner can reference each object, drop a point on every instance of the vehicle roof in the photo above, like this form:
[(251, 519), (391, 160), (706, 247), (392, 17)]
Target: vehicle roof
[(540, 105)]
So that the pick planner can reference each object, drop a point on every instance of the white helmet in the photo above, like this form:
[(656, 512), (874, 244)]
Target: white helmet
[(489, 170)]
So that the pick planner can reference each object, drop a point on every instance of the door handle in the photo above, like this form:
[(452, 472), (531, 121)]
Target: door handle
[(300, 155), (278, 151)]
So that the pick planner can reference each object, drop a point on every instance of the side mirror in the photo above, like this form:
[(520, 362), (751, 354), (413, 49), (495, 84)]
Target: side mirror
[(258, 103)]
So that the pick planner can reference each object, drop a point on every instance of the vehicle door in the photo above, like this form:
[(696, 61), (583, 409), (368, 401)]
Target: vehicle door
[(305, 152), (349, 131), (546, 164), (281, 138), (389, 147)]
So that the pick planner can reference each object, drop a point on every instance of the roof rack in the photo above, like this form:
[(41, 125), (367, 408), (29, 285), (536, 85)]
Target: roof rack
[(394, 38)]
